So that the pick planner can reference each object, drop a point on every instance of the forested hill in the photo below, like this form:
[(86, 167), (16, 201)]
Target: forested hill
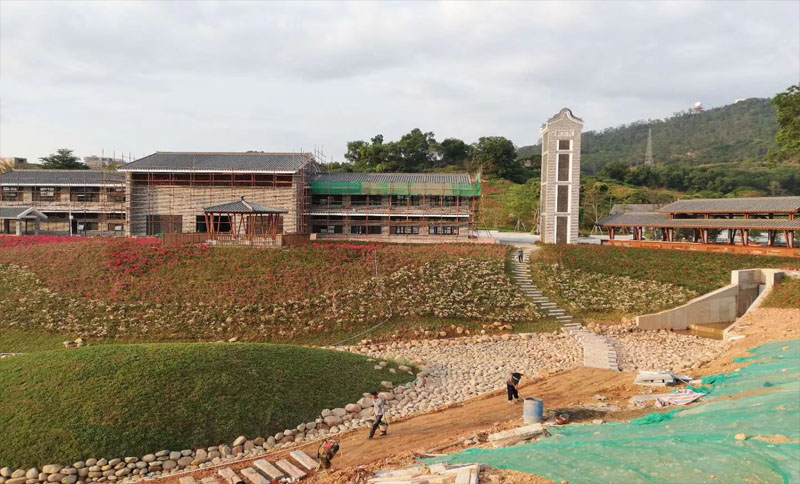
[(733, 133)]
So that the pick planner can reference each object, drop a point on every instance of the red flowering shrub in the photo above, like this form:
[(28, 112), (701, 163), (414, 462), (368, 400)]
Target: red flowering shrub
[(139, 256), (9, 241)]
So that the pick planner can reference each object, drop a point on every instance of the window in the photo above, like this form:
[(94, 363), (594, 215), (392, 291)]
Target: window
[(11, 194), (562, 201), (85, 194), (405, 230), (326, 229), (166, 224), (365, 229), (44, 194), (326, 199), (115, 227), (443, 230), (564, 144), (116, 194), (563, 167)]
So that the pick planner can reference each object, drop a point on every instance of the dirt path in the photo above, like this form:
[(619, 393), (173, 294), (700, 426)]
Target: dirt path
[(426, 433)]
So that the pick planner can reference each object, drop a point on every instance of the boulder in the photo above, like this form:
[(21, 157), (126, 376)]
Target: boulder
[(353, 408), (339, 412), (332, 420), (239, 440), (52, 468)]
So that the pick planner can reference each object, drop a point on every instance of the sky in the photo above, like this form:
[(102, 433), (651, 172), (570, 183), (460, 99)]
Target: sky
[(140, 77)]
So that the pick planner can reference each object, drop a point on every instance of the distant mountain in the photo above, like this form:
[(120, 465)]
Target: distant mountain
[(733, 133)]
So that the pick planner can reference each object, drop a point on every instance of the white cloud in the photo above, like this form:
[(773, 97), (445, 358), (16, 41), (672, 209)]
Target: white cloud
[(144, 76)]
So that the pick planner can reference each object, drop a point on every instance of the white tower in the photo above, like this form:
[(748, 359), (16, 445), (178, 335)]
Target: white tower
[(561, 179)]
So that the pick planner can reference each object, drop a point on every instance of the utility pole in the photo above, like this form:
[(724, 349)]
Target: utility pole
[(648, 156)]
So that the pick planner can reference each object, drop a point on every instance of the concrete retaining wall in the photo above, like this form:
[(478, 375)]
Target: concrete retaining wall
[(724, 305)]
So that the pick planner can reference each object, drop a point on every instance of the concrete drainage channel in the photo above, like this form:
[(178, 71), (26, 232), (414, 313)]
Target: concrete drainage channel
[(598, 351)]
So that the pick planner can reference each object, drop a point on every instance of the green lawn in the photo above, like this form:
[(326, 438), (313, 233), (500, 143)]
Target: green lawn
[(120, 400), (16, 341)]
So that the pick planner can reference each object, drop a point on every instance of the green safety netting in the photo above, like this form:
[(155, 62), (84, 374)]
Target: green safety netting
[(691, 445), (389, 188)]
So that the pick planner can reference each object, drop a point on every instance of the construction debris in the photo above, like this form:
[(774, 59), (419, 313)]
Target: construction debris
[(661, 378), (433, 474), (517, 435)]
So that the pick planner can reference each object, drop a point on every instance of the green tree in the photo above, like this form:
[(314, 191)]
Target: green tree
[(454, 152), (787, 107), (521, 204), (596, 202), (413, 151), (495, 154), (62, 160), (616, 171)]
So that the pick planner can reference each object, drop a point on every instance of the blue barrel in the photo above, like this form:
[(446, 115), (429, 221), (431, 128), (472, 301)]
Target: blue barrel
[(532, 410)]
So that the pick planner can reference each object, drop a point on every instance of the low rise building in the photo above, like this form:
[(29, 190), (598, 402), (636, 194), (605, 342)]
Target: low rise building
[(75, 202), (394, 205)]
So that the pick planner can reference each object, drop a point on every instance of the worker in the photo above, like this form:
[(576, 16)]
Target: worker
[(511, 387), (520, 255), (326, 452), (379, 408)]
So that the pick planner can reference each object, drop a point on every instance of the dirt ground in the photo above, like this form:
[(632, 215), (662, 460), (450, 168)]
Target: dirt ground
[(573, 392)]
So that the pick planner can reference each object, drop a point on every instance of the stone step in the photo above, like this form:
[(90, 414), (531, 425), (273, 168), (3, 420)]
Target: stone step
[(209, 480), (267, 469), (290, 469), (187, 480), (229, 476), (304, 460), (253, 476)]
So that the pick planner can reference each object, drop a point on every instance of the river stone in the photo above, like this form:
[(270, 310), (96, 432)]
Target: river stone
[(169, 464), (332, 420), (339, 412), (185, 461), (18, 473), (52, 468), (33, 473), (239, 440), (352, 408)]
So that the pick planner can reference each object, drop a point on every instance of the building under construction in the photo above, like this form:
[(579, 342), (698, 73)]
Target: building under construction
[(170, 193), (394, 205), (70, 202)]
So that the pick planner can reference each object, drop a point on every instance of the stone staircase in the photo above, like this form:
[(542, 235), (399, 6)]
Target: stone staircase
[(598, 351), (262, 471)]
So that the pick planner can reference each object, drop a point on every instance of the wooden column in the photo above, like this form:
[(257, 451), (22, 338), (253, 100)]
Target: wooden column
[(704, 235), (611, 233)]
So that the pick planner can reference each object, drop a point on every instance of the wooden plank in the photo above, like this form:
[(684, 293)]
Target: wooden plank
[(229, 476), (254, 477), (187, 480), (267, 469), (290, 469), (304, 459)]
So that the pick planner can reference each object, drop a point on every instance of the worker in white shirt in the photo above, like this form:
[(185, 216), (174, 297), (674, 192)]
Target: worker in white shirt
[(379, 407)]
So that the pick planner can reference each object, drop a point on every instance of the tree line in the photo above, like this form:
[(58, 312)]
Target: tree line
[(419, 151)]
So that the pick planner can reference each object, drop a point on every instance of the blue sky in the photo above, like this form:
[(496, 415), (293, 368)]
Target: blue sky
[(141, 77)]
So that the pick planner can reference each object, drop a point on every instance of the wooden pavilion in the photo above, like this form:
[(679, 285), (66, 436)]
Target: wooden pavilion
[(243, 220)]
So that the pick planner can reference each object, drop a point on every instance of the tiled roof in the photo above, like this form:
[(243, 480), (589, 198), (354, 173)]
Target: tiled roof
[(62, 178), (20, 212), (735, 205), (242, 206), (662, 220), (452, 178), (221, 162)]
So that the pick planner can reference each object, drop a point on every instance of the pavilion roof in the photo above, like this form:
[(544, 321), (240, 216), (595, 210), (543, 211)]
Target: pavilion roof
[(662, 220), (242, 206), (21, 213), (735, 205)]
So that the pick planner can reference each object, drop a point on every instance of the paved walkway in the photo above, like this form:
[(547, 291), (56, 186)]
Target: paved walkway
[(598, 351)]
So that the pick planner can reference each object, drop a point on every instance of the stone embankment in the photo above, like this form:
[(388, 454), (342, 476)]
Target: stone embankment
[(659, 350), (455, 370)]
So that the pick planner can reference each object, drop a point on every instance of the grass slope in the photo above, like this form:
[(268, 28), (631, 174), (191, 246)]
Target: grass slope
[(615, 281), (121, 400), (785, 295)]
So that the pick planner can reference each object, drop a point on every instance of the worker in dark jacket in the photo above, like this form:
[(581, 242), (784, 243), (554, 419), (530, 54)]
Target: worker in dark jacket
[(511, 387)]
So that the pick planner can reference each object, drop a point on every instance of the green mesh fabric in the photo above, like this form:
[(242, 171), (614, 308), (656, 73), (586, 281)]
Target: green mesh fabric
[(688, 445)]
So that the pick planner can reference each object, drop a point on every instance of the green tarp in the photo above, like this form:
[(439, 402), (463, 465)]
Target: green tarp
[(691, 445)]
